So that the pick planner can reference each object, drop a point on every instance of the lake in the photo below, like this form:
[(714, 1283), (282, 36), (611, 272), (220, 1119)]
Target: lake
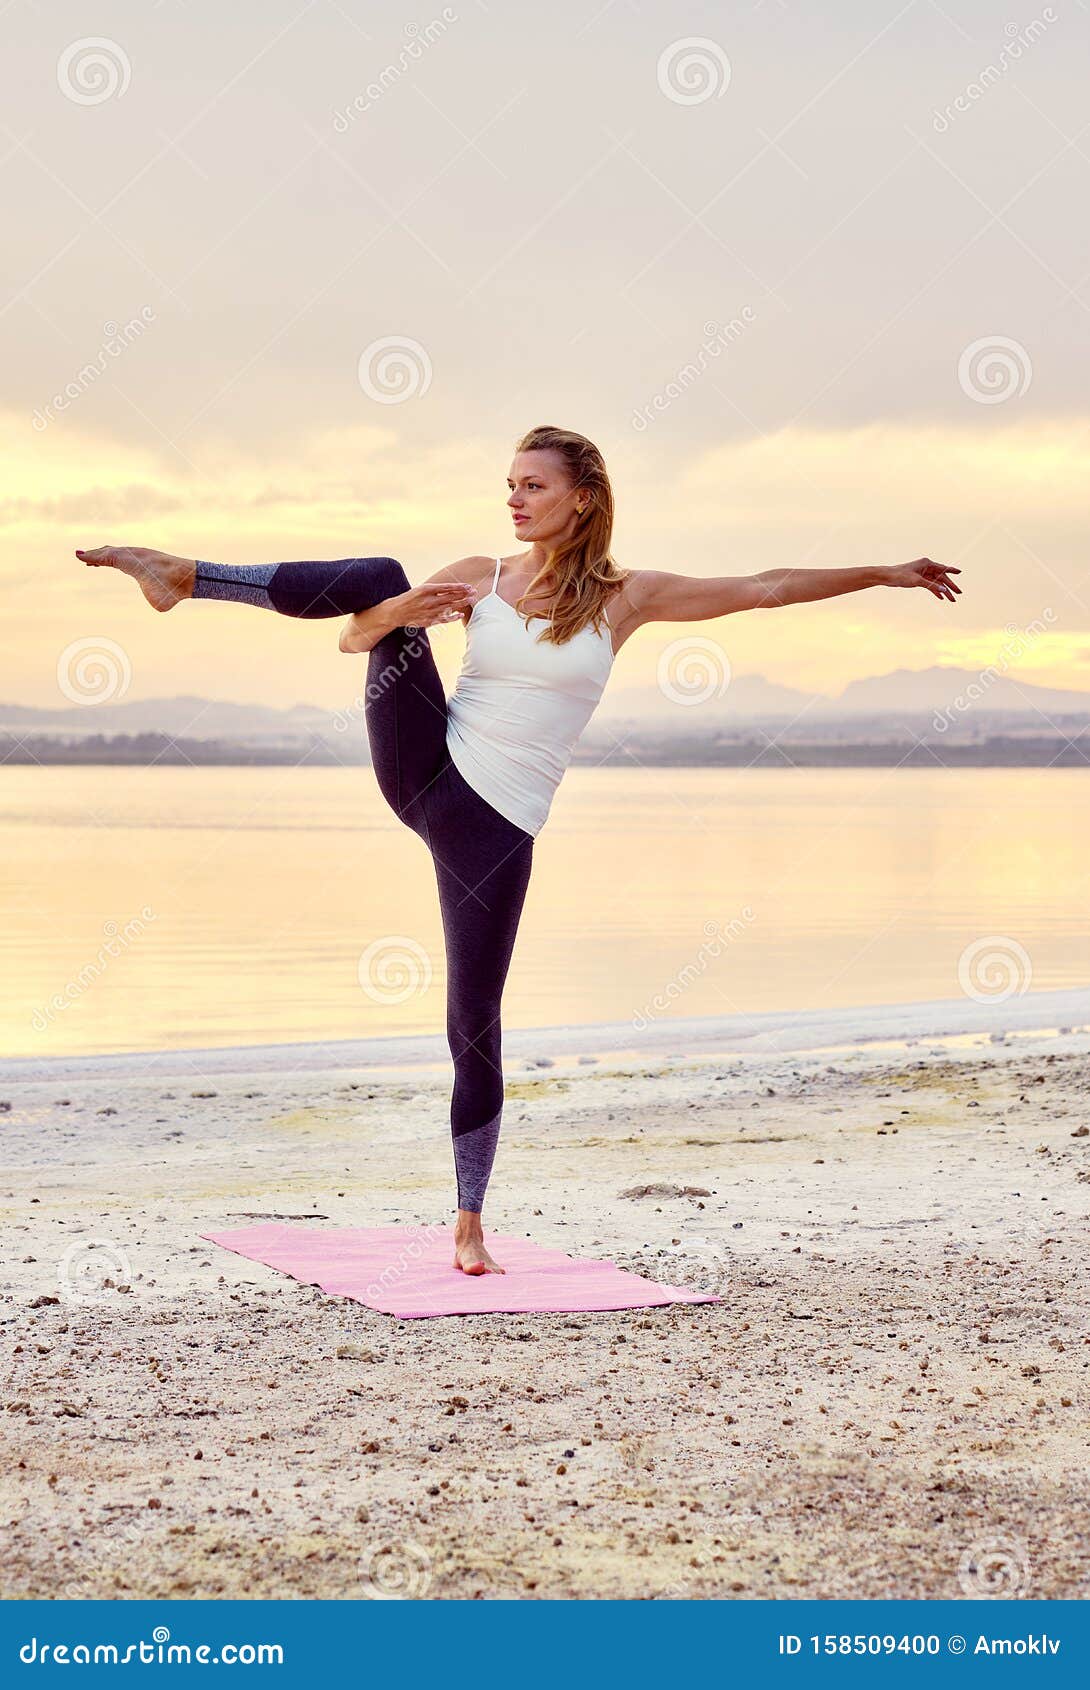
[(153, 908)]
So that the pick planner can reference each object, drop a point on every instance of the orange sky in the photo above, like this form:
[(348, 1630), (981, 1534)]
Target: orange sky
[(1001, 504), (289, 282)]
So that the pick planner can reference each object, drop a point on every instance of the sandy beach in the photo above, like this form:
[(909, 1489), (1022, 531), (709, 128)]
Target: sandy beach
[(890, 1400)]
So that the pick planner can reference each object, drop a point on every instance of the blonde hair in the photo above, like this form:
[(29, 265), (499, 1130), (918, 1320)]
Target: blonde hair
[(586, 576)]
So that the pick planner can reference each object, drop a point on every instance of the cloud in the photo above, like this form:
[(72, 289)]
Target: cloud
[(884, 472), (136, 502), (361, 486), (1005, 503)]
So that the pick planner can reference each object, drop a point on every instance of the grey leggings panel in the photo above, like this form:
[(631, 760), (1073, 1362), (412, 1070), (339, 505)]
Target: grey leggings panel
[(482, 861)]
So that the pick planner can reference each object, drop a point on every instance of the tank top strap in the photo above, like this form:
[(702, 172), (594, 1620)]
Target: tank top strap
[(496, 576)]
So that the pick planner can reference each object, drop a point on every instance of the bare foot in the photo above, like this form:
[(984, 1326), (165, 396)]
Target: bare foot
[(469, 1252), (164, 580)]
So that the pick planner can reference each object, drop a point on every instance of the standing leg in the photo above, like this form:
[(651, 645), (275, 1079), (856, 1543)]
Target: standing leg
[(482, 866), (482, 861)]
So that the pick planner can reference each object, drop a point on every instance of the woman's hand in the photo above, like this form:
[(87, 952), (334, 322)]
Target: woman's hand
[(923, 573), (420, 607), (435, 601)]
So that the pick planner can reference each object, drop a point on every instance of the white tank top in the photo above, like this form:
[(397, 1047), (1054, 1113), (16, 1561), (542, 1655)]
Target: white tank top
[(519, 706)]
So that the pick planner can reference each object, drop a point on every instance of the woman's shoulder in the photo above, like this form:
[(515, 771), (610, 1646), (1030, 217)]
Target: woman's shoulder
[(474, 562), (470, 570), (631, 587), (632, 577), (628, 601)]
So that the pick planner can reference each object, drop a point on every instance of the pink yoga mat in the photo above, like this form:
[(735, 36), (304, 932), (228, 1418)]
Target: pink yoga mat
[(407, 1271)]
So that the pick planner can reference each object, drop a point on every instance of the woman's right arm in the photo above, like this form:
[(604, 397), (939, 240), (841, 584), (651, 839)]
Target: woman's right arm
[(445, 596)]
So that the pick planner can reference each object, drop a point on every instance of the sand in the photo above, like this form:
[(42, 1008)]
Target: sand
[(890, 1401)]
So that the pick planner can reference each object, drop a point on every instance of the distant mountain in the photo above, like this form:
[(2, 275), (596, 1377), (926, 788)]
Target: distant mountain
[(938, 688), (903, 692), (184, 715), (912, 693), (746, 695)]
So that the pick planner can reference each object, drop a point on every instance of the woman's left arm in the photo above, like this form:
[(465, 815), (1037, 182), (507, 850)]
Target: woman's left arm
[(799, 586), (689, 598)]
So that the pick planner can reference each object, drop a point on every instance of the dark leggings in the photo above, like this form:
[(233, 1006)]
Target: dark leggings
[(482, 861)]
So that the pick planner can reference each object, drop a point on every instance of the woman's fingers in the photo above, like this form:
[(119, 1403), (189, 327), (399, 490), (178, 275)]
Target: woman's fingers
[(925, 572), (933, 576), (440, 601), (445, 592), (936, 578)]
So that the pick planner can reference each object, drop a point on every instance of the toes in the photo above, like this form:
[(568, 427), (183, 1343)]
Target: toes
[(477, 1268)]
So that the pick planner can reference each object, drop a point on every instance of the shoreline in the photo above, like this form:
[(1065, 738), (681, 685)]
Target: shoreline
[(891, 1390), (941, 1021)]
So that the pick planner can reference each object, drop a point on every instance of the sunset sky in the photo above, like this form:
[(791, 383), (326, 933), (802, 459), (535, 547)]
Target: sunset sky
[(817, 284)]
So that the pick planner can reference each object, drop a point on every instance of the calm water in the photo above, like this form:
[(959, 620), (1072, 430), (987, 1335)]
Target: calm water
[(656, 893)]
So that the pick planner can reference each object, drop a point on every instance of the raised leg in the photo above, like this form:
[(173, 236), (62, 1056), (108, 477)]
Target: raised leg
[(404, 703), (322, 587)]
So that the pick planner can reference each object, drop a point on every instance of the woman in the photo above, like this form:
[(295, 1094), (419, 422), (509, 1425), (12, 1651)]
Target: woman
[(474, 775)]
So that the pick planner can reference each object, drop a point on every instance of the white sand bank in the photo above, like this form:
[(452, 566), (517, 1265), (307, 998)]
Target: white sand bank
[(894, 1387)]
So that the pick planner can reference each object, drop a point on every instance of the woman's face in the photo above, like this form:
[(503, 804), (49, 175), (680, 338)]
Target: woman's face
[(541, 497)]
